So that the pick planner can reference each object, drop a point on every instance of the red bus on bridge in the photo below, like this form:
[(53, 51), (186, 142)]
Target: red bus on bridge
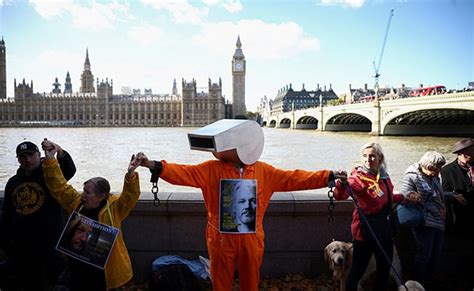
[(426, 91)]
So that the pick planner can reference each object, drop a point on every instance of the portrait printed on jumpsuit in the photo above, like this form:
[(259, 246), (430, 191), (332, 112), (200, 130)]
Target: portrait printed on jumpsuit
[(87, 240), (238, 205)]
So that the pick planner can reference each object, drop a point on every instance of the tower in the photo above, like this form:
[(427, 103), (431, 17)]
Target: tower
[(175, 89), (68, 84), (87, 79), (238, 81), (3, 70), (56, 86)]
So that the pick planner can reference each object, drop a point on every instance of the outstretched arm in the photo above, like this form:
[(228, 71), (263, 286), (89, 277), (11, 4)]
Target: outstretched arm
[(183, 175), (131, 189)]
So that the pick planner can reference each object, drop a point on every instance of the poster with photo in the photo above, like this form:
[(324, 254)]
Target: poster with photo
[(87, 240), (237, 205)]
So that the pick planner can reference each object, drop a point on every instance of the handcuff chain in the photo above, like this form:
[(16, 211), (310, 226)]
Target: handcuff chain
[(332, 205)]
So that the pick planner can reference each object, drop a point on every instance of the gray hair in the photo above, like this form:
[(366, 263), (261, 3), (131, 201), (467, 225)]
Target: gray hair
[(432, 159), (378, 151)]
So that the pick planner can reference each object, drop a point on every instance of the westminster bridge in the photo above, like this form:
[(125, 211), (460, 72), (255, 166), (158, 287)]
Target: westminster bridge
[(438, 115)]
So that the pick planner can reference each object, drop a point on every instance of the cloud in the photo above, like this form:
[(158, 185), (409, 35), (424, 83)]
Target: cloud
[(49, 10), (343, 3), (231, 6), (5, 2), (260, 40), (95, 16), (145, 34), (181, 10)]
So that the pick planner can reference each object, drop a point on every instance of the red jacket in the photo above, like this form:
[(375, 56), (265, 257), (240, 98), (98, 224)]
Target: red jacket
[(363, 186)]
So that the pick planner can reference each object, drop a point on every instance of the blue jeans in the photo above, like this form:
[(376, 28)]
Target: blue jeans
[(429, 244)]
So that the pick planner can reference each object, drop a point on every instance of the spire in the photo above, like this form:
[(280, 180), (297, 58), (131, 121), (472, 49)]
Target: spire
[(175, 88), (238, 51), (87, 63), (67, 84)]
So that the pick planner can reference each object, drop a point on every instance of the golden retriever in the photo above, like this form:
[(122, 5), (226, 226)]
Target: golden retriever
[(339, 256)]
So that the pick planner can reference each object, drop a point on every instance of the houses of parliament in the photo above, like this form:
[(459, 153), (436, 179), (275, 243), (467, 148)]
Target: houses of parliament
[(97, 105)]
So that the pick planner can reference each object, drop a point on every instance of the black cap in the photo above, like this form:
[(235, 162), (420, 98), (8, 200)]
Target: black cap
[(26, 147)]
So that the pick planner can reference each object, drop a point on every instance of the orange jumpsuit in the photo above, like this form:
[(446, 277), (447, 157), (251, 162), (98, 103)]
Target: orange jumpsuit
[(247, 249)]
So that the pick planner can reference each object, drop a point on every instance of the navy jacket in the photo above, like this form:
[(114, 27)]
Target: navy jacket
[(32, 220)]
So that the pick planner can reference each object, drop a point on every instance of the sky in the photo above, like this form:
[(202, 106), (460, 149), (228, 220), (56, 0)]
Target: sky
[(149, 43)]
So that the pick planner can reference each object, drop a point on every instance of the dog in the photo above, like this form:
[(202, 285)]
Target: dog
[(339, 256)]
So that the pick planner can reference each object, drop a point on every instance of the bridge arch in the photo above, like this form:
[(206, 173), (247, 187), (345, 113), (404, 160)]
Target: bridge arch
[(307, 122), (285, 123), (434, 122), (348, 122)]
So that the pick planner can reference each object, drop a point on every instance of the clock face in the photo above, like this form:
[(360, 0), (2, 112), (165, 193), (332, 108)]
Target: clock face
[(238, 67)]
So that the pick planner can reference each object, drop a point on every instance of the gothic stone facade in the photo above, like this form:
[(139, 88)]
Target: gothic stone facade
[(102, 108)]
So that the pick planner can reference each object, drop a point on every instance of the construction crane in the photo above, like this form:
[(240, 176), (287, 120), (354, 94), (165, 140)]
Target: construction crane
[(377, 67)]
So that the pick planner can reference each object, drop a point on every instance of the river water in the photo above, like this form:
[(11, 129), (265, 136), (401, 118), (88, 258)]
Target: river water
[(106, 151)]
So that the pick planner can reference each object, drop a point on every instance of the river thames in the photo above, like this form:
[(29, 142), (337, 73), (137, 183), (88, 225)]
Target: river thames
[(106, 151)]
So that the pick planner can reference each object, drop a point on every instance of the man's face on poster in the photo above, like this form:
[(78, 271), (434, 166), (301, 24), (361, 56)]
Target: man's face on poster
[(244, 204), (80, 237)]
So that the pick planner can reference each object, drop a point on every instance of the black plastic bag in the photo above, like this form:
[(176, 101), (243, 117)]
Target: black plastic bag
[(177, 277)]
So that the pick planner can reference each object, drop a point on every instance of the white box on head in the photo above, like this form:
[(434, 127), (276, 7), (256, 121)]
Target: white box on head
[(246, 136)]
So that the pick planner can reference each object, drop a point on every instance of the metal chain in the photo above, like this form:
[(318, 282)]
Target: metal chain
[(332, 205), (154, 191)]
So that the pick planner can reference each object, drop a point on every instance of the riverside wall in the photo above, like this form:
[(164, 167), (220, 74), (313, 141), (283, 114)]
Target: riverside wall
[(296, 231)]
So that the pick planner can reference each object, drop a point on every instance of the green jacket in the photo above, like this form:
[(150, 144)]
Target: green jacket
[(118, 270)]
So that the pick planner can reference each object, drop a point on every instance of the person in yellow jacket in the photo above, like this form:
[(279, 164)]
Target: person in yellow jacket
[(237, 144), (97, 203)]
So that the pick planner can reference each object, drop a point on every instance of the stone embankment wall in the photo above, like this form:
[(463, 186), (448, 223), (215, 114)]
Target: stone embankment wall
[(296, 231)]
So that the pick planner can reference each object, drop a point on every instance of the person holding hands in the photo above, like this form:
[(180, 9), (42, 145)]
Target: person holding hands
[(237, 145), (97, 203), (370, 184), (32, 220)]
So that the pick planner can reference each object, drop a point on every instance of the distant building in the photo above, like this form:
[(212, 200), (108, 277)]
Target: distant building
[(3, 70), (103, 108), (56, 86), (87, 79), (368, 95), (200, 108), (68, 84), (239, 67), (126, 90), (288, 99)]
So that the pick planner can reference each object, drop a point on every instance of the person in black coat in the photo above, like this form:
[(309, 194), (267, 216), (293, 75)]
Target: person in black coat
[(32, 221), (458, 180)]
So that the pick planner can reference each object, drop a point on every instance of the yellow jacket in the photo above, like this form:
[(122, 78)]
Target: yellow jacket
[(118, 270)]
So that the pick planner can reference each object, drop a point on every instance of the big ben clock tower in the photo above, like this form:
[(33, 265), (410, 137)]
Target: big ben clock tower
[(238, 81)]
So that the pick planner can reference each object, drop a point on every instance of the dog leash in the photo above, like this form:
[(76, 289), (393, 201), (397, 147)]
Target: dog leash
[(361, 214)]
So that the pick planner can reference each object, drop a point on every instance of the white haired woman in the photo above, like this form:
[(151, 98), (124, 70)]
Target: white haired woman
[(422, 185)]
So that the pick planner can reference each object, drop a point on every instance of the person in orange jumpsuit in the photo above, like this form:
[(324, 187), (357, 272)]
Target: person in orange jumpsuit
[(239, 162)]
